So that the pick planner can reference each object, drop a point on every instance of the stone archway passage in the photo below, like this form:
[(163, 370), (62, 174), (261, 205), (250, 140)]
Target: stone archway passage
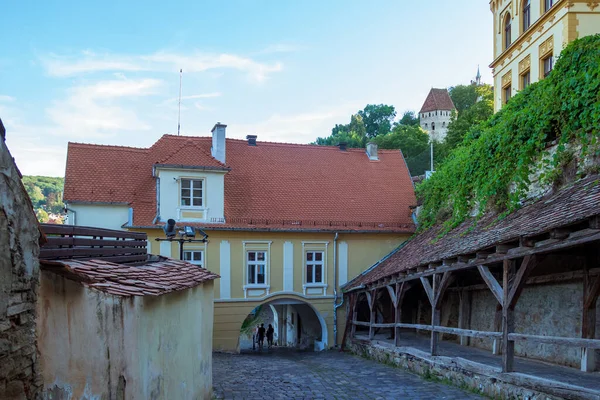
[(297, 323)]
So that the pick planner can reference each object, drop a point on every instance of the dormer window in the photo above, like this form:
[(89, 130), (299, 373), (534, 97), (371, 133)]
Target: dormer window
[(191, 192)]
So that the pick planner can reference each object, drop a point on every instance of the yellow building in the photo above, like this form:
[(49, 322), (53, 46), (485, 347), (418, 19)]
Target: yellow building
[(287, 224), (530, 34)]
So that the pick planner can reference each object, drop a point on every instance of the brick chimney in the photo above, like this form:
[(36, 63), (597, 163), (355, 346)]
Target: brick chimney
[(218, 142), (251, 140)]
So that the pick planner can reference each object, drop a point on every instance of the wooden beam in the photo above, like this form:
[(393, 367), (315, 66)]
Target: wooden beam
[(446, 281), (428, 289), (435, 314), (591, 291), (354, 311), (559, 234), (373, 296), (401, 289), (594, 222), (508, 320), (392, 293), (556, 340), (526, 242), (491, 283), (527, 265)]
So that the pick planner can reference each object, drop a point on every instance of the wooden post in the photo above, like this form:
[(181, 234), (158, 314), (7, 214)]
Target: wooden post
[(354, 314), (591, 291), (497, 344), (436, 294), (371, 298), (400, 291), (508, 321), (464, 314)]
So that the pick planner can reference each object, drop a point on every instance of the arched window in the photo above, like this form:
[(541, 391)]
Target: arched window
[(433, 126), (507, 29), (526, 14), (425, 124), (443, 124)]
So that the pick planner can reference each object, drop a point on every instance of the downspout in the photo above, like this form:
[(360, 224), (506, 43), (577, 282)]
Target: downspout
[(157, 218), (67, 209), (335, 294)]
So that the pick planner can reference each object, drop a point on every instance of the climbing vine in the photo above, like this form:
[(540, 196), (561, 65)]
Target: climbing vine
[(491, 169)]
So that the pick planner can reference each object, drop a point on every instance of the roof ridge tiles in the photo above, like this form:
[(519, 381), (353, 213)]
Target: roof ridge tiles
[(108, 146)]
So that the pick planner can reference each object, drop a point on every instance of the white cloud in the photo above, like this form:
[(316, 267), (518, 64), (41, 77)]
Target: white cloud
[(6, 99), (163, 61), (296, 128), (94, 110)]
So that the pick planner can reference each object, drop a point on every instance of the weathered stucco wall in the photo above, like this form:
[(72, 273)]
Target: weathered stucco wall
[(96, 346), (19, 273), (551, 310)]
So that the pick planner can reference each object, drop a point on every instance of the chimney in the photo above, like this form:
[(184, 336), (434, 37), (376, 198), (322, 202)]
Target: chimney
[(251, 140), (342, 146), (372, 151), (218, 142)]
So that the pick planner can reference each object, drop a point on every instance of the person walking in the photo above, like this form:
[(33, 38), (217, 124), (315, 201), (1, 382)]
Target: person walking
[(270, 332), (254, 337), (261, 336)]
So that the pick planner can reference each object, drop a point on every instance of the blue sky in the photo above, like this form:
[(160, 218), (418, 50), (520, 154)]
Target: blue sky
[(287, 71)]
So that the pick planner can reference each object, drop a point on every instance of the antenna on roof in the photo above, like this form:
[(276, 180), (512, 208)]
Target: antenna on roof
[(179, 113)]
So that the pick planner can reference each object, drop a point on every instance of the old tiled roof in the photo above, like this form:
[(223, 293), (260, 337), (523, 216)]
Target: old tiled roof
[(152, 279), (437, 99), (568, 206), (268, 186)]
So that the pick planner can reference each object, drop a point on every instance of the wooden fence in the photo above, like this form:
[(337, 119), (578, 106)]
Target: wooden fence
[(85, 243)]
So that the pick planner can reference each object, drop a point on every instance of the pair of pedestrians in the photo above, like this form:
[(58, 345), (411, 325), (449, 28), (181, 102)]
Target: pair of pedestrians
[(261, 332)]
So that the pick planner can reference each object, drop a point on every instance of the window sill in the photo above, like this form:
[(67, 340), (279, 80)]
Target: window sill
[(256, 286), (314, 285)]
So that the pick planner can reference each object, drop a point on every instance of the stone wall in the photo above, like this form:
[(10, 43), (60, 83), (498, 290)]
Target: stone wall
[(548, 310), (19, 275)]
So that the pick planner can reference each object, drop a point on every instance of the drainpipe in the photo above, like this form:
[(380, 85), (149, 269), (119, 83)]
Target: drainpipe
[(67, 209), (335, 294), (157, 218)]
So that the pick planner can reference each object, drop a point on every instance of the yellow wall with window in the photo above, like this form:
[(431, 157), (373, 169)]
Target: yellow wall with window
[(548, 32), (286, 269)]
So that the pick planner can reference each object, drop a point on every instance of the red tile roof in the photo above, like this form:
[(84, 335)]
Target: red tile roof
[(268, 186), (437, 99), (566, 207), (152, 279)]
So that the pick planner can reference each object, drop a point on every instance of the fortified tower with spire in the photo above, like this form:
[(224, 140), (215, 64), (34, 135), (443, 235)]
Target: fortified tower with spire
[(436, 113)]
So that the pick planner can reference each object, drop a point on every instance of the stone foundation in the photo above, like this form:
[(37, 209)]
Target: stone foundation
[(469, 375)]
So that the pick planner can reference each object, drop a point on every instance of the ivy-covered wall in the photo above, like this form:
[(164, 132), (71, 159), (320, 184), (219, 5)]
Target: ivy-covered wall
[(492, 168)]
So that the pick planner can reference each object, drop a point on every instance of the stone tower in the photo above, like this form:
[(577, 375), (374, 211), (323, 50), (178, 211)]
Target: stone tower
[(436, 113)]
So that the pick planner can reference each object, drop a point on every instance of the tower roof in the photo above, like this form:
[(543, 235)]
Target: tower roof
[(437, 99)]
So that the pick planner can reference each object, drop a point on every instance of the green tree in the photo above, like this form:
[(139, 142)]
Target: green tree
[(42, 215), (463, 96), (353, 134), (409, 118), (378, 119), (37, 196), (471, 115), (414, 144)]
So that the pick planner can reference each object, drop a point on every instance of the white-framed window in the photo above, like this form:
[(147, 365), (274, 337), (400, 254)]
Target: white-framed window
[(192, 191), (314, 266), (548, 65), (194, 257), (256, 264)]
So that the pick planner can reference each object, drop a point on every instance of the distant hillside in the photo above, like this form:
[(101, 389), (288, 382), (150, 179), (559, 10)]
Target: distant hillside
[(46, 195)]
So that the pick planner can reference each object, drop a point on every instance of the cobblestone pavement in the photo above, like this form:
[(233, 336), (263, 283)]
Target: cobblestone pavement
[(325, 375)]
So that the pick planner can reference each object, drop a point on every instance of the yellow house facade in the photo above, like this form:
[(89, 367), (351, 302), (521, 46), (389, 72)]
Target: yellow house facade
[(529, 36), (287, 224)]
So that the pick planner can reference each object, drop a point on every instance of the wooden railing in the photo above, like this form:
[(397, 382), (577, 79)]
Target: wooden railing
[(85, 243)]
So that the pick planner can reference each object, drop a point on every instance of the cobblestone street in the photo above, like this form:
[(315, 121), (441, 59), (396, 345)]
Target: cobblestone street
[(326, 375)]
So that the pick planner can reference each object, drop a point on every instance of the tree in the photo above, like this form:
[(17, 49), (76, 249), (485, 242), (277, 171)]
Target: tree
[(36, 195), (413, 142), (409, 118), (463, 96), (473, 114), (42, 215), (353, 134), (377, 119)]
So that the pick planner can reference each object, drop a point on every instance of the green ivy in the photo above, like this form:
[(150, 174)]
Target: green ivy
[(502, 151)]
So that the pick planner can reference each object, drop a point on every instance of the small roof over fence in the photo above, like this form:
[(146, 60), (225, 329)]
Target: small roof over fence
[(115, 262)]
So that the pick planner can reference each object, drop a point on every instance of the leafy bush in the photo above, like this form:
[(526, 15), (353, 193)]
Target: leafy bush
[(503, 150)]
